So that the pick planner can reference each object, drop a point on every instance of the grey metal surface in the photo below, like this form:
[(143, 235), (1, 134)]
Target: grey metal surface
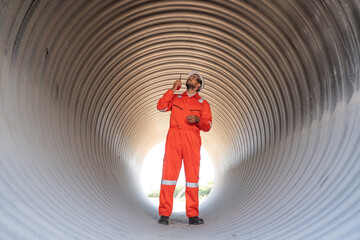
[(79, 82)]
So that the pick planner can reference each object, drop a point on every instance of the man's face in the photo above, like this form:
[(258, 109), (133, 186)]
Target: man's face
[(192, 82)]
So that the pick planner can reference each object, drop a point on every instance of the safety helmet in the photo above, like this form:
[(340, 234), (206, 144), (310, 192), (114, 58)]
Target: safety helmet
[(192, 72)]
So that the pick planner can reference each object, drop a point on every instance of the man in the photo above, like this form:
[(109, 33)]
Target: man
[(189, 114)]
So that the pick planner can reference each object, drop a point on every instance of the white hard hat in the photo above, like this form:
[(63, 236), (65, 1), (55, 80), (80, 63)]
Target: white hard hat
[(192, 72)]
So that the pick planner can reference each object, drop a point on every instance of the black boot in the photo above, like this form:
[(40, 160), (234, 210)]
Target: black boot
[(195, 220), (164, 220)]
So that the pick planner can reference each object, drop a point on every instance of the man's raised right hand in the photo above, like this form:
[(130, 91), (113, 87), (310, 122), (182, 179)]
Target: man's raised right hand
[(177, 84)]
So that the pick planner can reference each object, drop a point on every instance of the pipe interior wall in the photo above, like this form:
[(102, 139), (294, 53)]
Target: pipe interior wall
[(78, 91)]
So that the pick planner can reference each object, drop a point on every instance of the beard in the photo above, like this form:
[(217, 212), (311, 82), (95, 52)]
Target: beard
[(189, 86)]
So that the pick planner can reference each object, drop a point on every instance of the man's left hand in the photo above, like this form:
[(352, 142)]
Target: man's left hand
[(192, 119)]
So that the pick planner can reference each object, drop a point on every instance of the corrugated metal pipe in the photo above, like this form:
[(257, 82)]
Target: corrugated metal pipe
[(79, 83)]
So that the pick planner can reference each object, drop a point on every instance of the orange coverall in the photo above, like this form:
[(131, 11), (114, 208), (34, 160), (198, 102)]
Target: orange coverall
[(183, 142)]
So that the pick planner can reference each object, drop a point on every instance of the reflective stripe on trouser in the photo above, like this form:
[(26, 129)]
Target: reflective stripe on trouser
[(168, 182), (192, 185), (181, 145)]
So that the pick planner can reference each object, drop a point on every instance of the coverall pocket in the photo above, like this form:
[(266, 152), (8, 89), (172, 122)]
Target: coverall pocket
[(195, 112)]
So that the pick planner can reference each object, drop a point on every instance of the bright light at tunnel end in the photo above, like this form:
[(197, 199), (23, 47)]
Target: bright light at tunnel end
[(151, 173)]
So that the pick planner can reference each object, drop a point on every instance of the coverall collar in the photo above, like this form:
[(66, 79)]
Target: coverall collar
[(196, 95)]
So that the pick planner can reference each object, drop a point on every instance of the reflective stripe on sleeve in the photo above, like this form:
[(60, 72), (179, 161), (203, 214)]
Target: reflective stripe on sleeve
[(163, 110), (192, 185), (210, 124), (168, 182)]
